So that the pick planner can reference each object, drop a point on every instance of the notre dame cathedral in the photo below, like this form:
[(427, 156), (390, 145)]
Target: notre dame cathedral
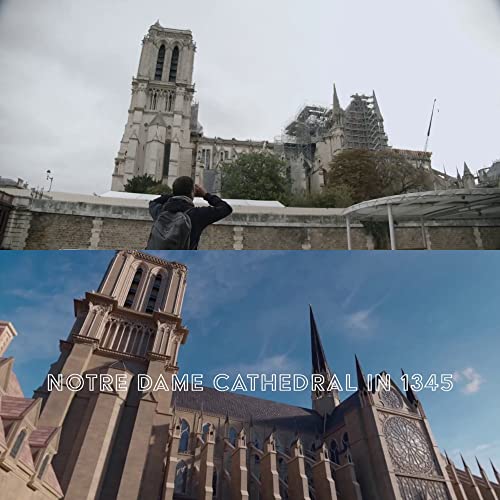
[(164, 139), (132, 444)]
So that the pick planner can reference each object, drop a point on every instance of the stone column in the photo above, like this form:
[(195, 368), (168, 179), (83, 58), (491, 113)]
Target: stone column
[(173, 460), (239, 471), (324, 485), (455, 482), (18, 225), (472, 488), (298, 486), (153, 408), (205, 491), (94, 453), (269, 472), (348, 486), (58, 402)]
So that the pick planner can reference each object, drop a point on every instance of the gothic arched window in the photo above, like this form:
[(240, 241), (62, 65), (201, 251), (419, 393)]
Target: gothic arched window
[(180, 477), (334, 452), (154, 294), (256, 465), (184, 441), (214, 483), (205, 429), (233, 436), (159, 63), (172, 76), (345, 441), (129, 301), (18, 443)]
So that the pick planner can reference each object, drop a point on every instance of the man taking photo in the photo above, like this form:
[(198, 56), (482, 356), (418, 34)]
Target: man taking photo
[(177, 223)]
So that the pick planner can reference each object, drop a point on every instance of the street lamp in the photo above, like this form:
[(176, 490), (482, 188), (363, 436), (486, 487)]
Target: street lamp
[(49, 178)]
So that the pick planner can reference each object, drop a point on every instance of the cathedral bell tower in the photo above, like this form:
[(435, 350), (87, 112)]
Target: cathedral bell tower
[(130, 326), (157, 140)]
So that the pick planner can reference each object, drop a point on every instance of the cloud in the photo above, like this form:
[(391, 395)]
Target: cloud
[(277, 363), (218, 278), (469, 379), (361, 321)]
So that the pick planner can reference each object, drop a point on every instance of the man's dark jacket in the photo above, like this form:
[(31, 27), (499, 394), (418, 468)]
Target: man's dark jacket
[(200, 217)]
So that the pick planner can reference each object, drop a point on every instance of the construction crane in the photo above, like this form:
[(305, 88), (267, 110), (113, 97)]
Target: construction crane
[(429, 129)]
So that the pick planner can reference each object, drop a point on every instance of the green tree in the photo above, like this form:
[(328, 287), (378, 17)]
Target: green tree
[(331, 197), (375, 174), (398, 175), (357, 171), (256, 176), (146, 184)]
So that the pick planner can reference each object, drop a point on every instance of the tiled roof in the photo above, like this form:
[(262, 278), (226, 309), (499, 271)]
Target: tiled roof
[(241, 407), (14, 407), (14, 388), (41, 435)]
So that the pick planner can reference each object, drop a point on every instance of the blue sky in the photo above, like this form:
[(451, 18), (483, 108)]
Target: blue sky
[(425, 312)]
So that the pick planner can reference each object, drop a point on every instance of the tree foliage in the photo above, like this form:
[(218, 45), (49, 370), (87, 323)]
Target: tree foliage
[(147, 185), (331, 197), (375, 174), (256, 176)]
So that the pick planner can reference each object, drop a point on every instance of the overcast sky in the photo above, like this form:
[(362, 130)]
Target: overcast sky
[(66, 68)]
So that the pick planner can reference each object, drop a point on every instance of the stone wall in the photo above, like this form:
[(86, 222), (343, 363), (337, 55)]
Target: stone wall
[(79, 221)]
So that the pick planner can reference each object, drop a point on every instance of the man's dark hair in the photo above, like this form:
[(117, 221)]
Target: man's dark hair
[(183, 186)]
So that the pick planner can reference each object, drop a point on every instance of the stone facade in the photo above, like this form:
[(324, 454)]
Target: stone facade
[(164, 139), (130, 444), (27, 447), (157, 136), (90, 222)]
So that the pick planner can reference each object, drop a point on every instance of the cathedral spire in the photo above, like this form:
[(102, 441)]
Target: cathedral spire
[(324, 401), (361, 377), (497, 474), (319, 363), (409, 392), (336, 103), (467, 170), (376, 107)]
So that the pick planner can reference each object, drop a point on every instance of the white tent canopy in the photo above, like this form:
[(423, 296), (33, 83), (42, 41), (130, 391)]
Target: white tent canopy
[(197, 201), (452, 204)]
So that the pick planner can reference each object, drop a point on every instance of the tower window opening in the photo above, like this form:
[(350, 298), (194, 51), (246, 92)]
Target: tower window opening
[(172, 77), (154, 294), (184, 440), (159, 63), (129, 301)]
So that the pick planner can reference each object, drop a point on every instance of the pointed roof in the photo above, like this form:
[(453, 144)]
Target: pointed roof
[(409, 393), (319, 363), (336, 103), (361, 377), (458, 175), (494, 469), (376, 106), (467, 170), (481, 470)]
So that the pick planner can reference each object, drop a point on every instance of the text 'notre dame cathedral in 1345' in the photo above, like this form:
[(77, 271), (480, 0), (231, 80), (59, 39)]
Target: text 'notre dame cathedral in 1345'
[(127, 444)]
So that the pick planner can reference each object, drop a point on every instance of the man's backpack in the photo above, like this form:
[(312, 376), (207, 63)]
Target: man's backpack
[(170, 231)]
